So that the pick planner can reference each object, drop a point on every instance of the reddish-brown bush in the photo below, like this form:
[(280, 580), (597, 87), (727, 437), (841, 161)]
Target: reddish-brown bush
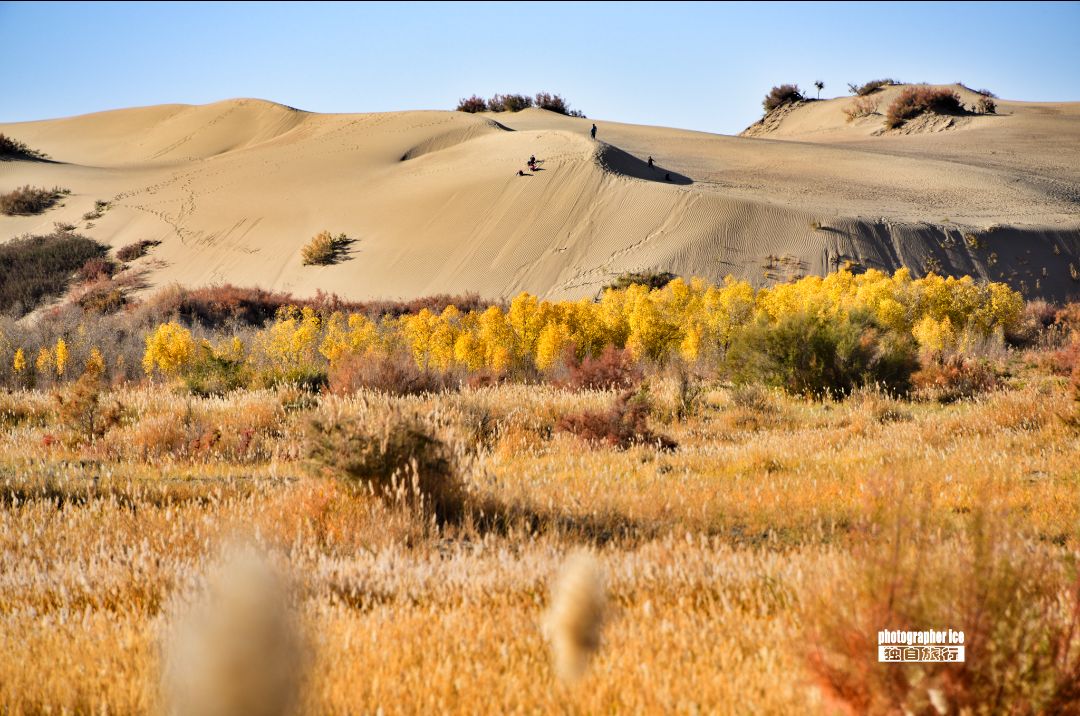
[(1064, 360), (96, 269), (509, 103), (555, 103), (136, 250), (914, 101), (213, 306), (781, 95), (472, 104), (613, 368), (624, 424), (396, 374), (954, 378)]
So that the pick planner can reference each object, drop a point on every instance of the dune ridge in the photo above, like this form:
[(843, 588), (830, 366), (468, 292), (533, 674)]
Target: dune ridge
[(234, 189)]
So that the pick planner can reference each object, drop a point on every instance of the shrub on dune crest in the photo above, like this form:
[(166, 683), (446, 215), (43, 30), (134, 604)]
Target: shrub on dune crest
[(871, 86), (914, 101), (509, 103), (516, 103), (471, 104), (555, 103), (781, 95)]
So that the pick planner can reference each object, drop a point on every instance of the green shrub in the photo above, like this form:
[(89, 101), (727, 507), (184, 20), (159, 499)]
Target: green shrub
[(808, 354), (29, 200), (210, 374)]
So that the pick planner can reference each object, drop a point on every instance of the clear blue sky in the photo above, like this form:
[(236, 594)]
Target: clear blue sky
[(698, 66)]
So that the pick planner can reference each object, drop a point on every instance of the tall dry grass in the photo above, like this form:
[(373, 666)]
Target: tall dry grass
[(724, 563)]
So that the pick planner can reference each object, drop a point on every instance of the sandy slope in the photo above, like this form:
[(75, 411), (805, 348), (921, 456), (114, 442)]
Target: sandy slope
[(234, 189)]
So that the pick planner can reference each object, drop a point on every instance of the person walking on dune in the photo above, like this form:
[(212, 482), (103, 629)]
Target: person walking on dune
[(650, 162), (593, 132)]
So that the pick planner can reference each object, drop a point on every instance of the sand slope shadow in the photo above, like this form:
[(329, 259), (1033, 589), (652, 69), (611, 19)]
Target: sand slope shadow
[(617, 161)]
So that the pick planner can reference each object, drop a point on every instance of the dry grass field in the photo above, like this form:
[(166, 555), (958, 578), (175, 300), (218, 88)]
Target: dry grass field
[(746, 571)]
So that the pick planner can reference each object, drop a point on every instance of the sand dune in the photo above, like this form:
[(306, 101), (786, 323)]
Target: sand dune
[(234, 189)]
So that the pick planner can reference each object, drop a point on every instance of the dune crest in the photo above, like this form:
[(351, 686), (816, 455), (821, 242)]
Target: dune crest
[(434, 201)]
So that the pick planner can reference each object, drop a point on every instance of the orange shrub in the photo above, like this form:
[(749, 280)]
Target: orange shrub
[(861, 107)]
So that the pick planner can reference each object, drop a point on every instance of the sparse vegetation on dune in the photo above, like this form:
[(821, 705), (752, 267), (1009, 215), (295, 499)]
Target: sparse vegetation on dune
[(870, 87), (914, 101), (781, 95), (517, 102), (592, 506), (29, 200), (860, 107), (986, 105), (324, 249), (11, 148), (135, 250)]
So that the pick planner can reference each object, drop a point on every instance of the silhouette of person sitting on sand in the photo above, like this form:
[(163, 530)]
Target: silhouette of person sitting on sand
[(593, 132), (521, 172), (532, 159)]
